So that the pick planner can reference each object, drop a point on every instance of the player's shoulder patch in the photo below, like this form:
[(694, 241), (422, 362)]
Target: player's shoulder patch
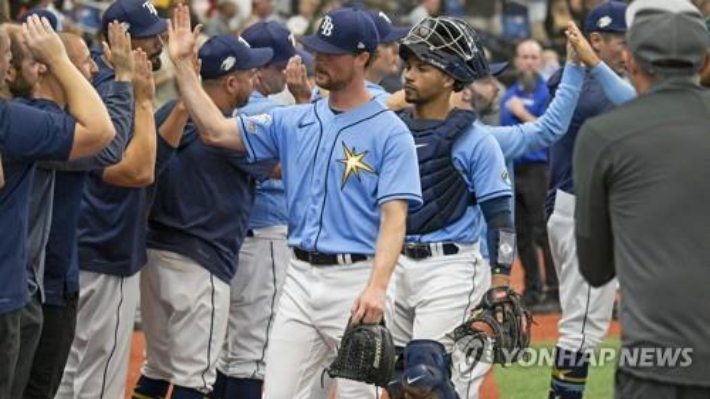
[(254, 121)]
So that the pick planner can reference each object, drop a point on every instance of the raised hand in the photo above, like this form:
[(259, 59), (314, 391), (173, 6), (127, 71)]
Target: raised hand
[(43, 41), (119, 52), (297, 80), (143, 84), (182, 41), (582, 50)]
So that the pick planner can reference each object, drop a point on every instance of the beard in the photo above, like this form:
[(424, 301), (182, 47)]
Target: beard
[(329, 82), (20, 87), (528, 81)]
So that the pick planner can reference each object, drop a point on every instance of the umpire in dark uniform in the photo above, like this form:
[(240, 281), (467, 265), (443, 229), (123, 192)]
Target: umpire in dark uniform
[(642, 190)]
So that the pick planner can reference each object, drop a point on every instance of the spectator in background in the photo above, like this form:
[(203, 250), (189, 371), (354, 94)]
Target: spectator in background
[(261, 11), (298, 24), (225, 19), (550, 63), (427, 8), (524, 102)]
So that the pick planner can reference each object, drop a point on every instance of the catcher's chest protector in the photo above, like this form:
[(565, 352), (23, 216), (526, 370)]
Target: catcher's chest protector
[(444, 191)]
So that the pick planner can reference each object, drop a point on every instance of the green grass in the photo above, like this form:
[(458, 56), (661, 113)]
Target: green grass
[(518, 382)]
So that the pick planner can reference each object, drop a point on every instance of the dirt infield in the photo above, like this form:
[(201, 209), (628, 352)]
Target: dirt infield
[(544, 330)]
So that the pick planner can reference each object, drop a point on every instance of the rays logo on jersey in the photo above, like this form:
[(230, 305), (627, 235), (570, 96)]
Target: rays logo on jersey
[(326, 28), (354, 163)]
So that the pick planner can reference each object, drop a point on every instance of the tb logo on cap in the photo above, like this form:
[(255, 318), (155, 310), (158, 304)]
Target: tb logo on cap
[(148, 5), (326, 28)]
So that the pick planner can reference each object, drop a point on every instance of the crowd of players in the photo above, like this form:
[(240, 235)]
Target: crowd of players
[(253, 232)]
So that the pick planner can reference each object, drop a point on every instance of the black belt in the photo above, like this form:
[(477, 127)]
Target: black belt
[(321, 259), (424, 251)]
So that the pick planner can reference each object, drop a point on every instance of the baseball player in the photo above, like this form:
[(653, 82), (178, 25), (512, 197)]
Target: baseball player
[(111, 232), (54, 345), (195, 229), (440, 275), (586, 311), (349, 173), (28, 135), (386, 60), (257, 285)]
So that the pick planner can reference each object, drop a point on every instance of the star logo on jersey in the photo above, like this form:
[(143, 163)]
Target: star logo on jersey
[(354, 164)]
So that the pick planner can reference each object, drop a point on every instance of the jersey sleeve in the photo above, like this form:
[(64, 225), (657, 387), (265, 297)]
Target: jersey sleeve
[(485, 169), (520, 139), (399, 171), (28, 134), (616, 89), (261, 134)]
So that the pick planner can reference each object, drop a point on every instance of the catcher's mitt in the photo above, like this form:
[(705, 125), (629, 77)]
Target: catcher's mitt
[(366, 354), (499, 328)]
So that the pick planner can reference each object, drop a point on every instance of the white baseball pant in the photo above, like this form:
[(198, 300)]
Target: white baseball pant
[(256, 289), (98, 361), (586, 311), (185, 311), (433, 297), (312, 316)]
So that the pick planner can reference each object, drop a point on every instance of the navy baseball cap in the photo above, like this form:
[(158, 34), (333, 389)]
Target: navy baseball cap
[(225, 54), (608, 17), (43, 13), (344, 31), (275, 36), (388, 33), (140, 16)]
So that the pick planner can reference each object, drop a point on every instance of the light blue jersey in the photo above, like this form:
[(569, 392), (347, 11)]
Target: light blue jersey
[(338, 168), (270, 200), (477, 156), (378, 92)]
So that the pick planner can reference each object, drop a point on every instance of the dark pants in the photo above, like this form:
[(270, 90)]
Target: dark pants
[(53, 350), (530, 226), (30, 330), (9, 349), (630, 387)]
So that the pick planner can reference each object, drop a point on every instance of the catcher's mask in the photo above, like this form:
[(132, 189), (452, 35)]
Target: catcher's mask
[(449, 44)]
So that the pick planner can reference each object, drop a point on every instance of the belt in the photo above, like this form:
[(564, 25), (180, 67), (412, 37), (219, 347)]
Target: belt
[(321, 259), (424, 251)]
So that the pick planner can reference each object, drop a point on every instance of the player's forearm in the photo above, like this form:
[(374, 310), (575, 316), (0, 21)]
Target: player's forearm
[(85, 106), (500, 236), (171, 130), (616, 89), (137, 169), (214, 128), (389, 242)]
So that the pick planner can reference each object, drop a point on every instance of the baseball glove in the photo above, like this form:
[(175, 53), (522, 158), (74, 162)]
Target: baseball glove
[(498, 329), (366, 354)]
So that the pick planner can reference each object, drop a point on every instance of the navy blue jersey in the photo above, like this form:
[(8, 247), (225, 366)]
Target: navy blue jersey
[(26, 135), (592, 102), (203, 202), (112, 221), (61, 253)]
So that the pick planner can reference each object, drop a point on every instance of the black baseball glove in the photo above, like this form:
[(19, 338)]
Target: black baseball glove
[(498, 329), (366, 354)]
